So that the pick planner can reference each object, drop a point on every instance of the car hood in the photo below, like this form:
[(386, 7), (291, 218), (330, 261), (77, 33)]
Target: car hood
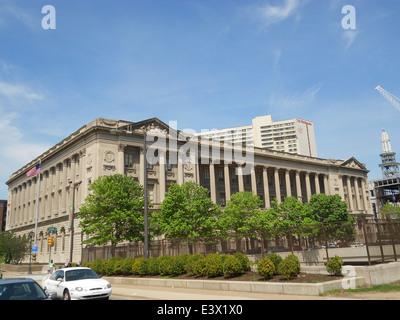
[(88, 283)]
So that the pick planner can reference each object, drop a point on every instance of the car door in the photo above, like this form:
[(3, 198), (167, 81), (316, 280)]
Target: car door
[(54, 283), (59, 283)]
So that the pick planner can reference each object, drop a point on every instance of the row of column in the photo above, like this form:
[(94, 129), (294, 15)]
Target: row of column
[(265, 181), (355, 200), (302, 187), (55, 194)]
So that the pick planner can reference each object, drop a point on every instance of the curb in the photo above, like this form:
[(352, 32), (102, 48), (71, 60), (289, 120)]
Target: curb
[(310, 289)]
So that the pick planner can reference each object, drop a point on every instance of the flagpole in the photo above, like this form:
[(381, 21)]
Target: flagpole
[(37, 201)]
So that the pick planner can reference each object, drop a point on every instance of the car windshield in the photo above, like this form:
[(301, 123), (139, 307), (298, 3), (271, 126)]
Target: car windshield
[(80, 274), (21, 291)]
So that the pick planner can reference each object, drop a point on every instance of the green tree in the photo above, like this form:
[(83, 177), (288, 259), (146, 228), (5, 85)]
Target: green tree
[(332, 211), (390, 211), (13, 248), (187, 213), (113, 212), (241, 216)]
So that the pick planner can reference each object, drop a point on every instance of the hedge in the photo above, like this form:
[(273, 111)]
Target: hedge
[(212, 265)]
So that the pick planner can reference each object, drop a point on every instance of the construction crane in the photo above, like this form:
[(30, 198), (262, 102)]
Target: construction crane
[(390, 97)]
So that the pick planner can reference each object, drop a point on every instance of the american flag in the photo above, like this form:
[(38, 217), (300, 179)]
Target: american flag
[(34, 171)]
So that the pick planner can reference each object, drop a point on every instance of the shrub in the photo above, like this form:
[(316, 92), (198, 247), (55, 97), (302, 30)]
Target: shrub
[(276, 260), (152, 266), (165, 265), (136, 264), (265, 268), (244, 261), (232, 265), (106, 267), (117, 265), (334, 266), (127, 265), (178, 264), (290, 266), (191, 265), (214, 265), (96, 266)]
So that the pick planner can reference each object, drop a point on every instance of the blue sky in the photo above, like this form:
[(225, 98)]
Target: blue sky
[(203, 63)]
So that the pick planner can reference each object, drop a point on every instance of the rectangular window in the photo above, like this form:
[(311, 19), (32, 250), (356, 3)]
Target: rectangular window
[(128, 160)]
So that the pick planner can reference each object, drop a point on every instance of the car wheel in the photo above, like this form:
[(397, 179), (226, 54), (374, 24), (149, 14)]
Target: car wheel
[(66, 295)]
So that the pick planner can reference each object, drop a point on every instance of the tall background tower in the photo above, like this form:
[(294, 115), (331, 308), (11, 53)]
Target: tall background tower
[(389, 166)]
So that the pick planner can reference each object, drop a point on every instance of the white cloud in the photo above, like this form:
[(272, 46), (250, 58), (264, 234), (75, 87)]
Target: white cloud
[(17, 148), (11, 91), (349, 37), (290, 101), (276, 14), (13, 12)]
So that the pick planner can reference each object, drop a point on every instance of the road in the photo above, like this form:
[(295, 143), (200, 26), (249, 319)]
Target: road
[(130, 292)]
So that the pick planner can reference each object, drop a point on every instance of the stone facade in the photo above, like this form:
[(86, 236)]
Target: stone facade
[(105, 147)]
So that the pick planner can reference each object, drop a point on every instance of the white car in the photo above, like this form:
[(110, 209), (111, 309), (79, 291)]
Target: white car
[(77, 284)]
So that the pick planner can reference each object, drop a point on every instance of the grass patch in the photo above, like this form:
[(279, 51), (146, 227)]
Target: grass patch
[(377, 288)]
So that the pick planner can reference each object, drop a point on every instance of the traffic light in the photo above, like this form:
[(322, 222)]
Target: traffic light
[(50, 241)]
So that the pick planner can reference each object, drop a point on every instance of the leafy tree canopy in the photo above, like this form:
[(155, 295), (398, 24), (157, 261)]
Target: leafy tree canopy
[(328, 209), (242, 214), (187, 212), (113, 212), (13, 248)]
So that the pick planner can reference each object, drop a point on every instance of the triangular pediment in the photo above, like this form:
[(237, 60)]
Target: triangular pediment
[(155, 126), (353, 163)]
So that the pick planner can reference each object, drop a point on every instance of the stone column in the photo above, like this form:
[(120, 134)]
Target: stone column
[(121, 159), (298, 187), (357, 191), (227, 180), (341, 187), (57, 192), (240, 178), (253, 180), (24, 204), (316, 181), (287, 183), (83, 187), (213, 191), (51, 192), (367, 204), (32, 210), (267, 202), (349, 194), (308, 186), (277, 185), (63, 186)]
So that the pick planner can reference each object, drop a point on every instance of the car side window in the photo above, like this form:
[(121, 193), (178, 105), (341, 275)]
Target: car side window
[(57, 274)]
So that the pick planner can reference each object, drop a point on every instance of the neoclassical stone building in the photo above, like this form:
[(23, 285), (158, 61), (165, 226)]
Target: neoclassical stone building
[(105, 147)]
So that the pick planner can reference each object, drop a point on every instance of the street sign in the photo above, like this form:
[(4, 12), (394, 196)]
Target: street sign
[(35, 248), (51, 230)]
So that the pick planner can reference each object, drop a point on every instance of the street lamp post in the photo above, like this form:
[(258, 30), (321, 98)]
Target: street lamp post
[(31, 234), (74, 186), (146, 220)]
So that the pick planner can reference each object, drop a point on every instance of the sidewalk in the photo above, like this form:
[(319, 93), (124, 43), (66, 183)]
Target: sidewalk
[(137, 292)]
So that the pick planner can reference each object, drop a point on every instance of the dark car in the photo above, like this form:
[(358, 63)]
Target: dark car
[(21, 289)]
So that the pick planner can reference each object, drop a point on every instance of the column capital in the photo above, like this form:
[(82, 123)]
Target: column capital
[(122, 147)]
